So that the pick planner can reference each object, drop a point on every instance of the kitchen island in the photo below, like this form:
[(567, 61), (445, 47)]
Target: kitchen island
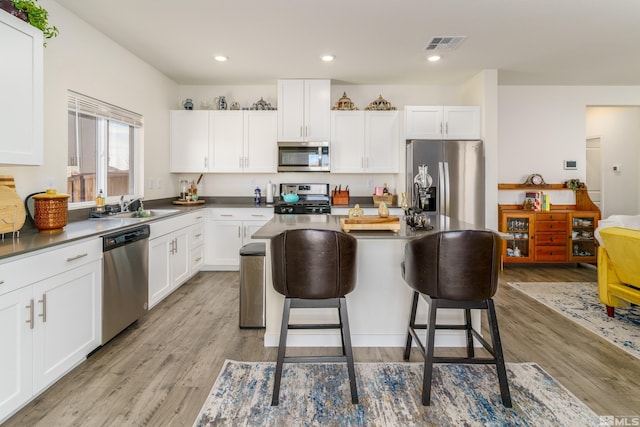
[(379, 307)]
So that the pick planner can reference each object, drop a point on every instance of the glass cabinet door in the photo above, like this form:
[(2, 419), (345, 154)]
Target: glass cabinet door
[(519, 247), (582, 241)]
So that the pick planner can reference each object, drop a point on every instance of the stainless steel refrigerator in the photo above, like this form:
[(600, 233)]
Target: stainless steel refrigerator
[(457, 171)]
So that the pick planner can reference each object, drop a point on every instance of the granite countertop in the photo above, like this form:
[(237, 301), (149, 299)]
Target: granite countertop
[(80, 227), (280, 223)]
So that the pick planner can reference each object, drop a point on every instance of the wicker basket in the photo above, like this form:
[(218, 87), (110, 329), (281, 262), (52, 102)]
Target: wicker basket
[(50, 211), (389, 199)]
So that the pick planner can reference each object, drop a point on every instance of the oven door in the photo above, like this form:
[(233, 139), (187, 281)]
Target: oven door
[(303, 156)]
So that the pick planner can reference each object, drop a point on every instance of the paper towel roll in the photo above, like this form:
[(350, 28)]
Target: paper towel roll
[(270, 192)]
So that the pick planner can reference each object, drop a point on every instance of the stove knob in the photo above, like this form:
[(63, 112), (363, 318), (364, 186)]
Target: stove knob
[(289, 210)]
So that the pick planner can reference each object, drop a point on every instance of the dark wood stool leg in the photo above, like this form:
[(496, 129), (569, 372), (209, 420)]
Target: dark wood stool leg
[(282, 346), (428, 359), (346, 336), (412, 324), (467, 322), (497, 348)]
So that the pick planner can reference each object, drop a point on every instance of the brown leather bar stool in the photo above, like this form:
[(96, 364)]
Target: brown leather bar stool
[(314, 269), (455, 269)]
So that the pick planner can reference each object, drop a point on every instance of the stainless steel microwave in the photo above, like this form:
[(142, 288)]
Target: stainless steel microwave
[(303, 156)]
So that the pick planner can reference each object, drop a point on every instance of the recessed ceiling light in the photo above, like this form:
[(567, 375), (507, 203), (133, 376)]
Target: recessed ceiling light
[(220, 58), (328, 58), (433, 58)]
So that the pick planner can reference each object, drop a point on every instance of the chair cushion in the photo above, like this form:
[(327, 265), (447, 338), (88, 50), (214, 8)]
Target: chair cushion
[(457, 265), (313, 264)]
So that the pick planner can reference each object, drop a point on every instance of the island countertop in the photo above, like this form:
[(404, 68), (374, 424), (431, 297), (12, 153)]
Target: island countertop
[(280, 223)]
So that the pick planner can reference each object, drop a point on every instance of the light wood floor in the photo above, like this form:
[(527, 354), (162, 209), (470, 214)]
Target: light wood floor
[(160, 370)]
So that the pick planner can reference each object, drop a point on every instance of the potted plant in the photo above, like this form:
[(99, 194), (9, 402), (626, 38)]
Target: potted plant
[(574, 184), (35, 14)]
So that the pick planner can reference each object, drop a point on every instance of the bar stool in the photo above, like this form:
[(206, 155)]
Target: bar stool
[(314, 269), (455, 269)]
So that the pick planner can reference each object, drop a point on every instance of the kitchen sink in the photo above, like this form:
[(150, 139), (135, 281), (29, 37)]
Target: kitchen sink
[(147, 213)]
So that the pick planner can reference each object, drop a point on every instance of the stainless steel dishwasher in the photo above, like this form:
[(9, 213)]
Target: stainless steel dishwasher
[(125, 277)]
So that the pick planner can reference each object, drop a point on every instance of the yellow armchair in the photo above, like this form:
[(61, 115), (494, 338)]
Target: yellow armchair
[(619, 267)]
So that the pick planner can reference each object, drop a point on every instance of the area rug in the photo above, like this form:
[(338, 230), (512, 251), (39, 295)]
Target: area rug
[(318, 395), (578, 301)]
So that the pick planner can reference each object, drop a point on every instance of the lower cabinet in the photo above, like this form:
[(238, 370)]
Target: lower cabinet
[(549, 237), (227, 231), (49, 326), (170, 254)]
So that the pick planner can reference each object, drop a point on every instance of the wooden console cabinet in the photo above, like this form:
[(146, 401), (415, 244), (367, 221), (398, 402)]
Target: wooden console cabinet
[(563, 234)]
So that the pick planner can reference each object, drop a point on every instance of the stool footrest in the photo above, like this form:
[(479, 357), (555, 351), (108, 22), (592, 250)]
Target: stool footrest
[(326, 326), (314, 359)]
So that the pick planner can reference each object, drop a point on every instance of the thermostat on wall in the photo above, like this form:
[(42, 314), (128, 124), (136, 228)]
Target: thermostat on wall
[(571, 164)]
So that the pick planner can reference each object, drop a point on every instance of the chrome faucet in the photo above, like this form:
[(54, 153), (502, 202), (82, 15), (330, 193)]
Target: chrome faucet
[(124, 206)]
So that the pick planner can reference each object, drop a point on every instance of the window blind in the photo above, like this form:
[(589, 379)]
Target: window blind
[(83, 104)]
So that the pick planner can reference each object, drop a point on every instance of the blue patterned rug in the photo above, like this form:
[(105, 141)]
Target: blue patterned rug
[(318, 395), (578, 301)]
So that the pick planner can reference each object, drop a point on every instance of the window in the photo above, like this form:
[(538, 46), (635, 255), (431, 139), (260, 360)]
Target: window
[(103, 142)]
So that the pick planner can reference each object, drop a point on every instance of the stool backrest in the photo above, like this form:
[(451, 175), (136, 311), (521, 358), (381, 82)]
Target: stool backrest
[(457, 265), (313, 264)]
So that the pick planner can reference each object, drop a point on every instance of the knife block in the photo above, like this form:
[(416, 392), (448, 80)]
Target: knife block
[(340, 197)]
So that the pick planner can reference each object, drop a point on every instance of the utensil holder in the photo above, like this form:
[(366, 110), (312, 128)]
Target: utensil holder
[(340, 197)]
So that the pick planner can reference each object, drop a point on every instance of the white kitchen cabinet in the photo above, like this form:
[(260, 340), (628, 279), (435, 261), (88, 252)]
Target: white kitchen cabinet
[(244, 141), (227, 231), (21, 86), (196, 243), (223, 141), (189, 141), (365, 141), (442, 122), (171, 255), (304, 108), (16, 357), (50, 318)]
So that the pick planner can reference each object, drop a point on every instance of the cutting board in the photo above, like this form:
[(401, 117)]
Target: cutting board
[(369, 223), (12, 213)]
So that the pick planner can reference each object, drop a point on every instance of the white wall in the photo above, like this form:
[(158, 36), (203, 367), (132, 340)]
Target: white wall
[(540, 126), (619, 130), (84, 60)]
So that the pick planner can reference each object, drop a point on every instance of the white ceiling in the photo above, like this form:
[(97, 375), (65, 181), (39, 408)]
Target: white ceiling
[(554, 42)]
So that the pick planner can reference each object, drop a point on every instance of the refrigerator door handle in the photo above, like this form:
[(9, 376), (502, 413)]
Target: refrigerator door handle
[(442, 189), (447, 188)]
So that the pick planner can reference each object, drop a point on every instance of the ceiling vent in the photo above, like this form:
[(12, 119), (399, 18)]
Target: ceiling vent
[(444, 43)]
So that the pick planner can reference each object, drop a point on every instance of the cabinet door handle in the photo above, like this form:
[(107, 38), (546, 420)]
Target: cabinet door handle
[(30, 307), (446, 129), (176, 244), (226, 215), (1, 282), (199, 217), (44, 308), (240, 161), (440, 127), (198, 259), (73, 258), (300, 130), (198, 235), (307, 130), (259, 215)]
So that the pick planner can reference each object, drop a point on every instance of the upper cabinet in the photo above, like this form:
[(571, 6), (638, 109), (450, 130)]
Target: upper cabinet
[(21, 86), (223, 141), (438, 122), (189, 147), (364, 141), (304, 110), (244, 141)]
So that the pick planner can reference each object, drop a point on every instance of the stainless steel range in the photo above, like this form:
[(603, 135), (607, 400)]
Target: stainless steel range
[(313, 199)]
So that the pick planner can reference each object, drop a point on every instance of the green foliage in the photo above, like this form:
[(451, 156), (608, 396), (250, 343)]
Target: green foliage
[(574, 184), (38, 17)]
